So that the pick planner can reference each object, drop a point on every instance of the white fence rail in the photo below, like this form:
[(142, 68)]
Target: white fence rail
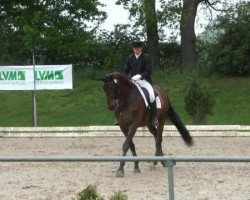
[(114, 131)]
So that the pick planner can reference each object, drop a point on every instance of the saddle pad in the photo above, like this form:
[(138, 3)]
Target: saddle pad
[(157, 99), (158, 102), (142, 94)]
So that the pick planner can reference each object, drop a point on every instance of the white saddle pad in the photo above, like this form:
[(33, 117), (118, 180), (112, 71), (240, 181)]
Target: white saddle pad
[(158, 102), (157, 99)]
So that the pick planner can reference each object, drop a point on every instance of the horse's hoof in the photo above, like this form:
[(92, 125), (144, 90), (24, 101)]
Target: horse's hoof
[(137, 171), (120, 173), (153, 167), (164, 163)]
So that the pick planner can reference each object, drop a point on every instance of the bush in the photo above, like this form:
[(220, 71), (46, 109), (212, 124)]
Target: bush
[(90, 193), (119, 196), (198, 103)]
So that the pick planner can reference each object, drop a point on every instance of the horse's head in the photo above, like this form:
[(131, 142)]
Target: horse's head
[(114, 86)]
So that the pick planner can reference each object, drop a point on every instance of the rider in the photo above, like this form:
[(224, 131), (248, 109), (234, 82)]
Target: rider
[(138, 68)]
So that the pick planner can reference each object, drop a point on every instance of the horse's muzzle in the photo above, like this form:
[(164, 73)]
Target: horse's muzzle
[(111, 104), (111, 107)]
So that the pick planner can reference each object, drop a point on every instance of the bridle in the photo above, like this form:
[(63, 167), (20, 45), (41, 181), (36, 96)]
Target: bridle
[(111, 86), (111, 83)]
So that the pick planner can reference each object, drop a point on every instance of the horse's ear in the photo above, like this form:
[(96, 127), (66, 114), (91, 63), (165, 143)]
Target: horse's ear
[(110, 77)]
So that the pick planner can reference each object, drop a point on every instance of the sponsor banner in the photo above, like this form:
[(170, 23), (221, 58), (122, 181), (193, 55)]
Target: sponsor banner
[(47, 77)]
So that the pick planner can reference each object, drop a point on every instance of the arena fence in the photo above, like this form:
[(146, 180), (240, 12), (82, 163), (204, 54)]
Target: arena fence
[(114, 131), (170, 161)]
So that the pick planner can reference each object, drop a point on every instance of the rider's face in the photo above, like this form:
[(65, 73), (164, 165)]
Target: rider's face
[(137, 50)]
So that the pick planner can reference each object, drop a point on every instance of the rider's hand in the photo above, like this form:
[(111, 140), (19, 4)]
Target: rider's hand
[(136, 77)]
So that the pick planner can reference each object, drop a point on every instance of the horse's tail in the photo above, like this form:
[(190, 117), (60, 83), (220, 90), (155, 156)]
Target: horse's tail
[(175, 119)]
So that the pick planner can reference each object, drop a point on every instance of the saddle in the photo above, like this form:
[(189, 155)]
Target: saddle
[(145, 95)]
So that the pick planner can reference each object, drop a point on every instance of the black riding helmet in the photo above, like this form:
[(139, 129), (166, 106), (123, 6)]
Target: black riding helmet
[(136, 44)]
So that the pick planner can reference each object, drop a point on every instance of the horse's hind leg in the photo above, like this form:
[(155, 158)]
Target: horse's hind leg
[(159, 142), (157, 133), (153, 131), (132, 148)]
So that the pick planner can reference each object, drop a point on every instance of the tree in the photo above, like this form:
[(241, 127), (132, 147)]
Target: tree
[(182, 11), (117, 44), (146, 17), (187, 29), (188, 37), (57, 27), (152, 32), (230, 53)]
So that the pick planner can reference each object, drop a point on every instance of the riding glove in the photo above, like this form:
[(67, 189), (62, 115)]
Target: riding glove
[(136, 77)]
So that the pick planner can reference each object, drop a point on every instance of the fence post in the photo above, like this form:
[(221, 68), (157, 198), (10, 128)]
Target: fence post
[(34, 106), (170, 164)]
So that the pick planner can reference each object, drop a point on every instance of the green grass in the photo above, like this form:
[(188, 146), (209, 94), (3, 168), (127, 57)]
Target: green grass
[(86, 103), (231, 96)]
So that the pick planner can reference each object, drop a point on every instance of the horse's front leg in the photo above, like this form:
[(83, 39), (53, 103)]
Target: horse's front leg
[(128, 143), (125, 147)]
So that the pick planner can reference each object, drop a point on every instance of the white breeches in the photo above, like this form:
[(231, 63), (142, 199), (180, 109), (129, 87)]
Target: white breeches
[(149, 88)]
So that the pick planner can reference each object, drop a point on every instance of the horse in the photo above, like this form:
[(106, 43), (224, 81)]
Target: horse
[(125, 99)]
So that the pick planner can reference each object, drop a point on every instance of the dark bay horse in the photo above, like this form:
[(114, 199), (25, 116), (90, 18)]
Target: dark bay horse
[(124, 98)]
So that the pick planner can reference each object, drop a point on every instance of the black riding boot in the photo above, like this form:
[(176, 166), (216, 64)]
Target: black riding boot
[(153, 112)]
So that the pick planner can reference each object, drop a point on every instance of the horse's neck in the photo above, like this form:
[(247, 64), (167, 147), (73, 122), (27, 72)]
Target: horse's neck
[(127, 92), (131, 94), (129, 89)]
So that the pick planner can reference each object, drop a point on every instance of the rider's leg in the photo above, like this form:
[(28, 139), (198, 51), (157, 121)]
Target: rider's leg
[(153, 112), (153, 109)]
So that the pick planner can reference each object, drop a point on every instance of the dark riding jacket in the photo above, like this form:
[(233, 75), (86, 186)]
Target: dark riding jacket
[(141, 65)]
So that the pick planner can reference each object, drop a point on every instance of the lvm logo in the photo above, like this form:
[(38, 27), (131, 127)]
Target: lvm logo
[(48, 75), (12, 75)]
